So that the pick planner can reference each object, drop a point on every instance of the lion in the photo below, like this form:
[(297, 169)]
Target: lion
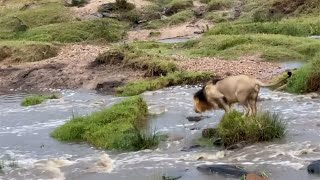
[(223, 93)]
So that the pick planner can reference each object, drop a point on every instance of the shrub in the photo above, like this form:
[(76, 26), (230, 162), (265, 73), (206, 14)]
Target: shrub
[(118, 127), (234, 128), (36, 99), (172, 79)]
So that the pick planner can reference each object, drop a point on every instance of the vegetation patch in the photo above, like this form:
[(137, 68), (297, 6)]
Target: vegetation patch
[(178, 18), (172, 79), (38, 14), (268, 46), (176, 6), (234, 129), (155, 65), (118, 127), (219, 4), (77, 31), (26, 51), (36, 99), (292, 27), (307, 78), (217, 17)]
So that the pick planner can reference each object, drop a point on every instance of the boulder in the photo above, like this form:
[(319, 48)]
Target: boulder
[(314, 167), (191, 147), (224, 169)]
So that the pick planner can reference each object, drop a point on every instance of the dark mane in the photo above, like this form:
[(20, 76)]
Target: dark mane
[(201, 95)]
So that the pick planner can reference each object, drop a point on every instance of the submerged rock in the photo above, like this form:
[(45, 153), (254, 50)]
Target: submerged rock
[(222, 170), (314, 167), (196, 118), (173, 175), (191, 147)]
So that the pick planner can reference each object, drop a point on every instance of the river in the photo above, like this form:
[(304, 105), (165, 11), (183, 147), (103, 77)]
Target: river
[(28, 152)]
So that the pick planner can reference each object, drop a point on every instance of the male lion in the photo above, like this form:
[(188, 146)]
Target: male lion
[(221, 94)]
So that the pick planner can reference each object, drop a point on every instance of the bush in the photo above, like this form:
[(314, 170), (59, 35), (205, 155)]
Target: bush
[(234, 128), (36, 99), (219, 4), (172, 79), (118, 127)]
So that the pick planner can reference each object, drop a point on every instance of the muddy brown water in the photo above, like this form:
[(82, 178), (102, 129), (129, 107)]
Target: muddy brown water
[(28, 152)]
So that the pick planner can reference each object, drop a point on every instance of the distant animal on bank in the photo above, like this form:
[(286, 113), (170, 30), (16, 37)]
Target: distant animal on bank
[(223, 93)]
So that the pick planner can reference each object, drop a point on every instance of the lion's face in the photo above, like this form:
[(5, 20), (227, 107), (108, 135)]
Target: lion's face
[(200, 106)]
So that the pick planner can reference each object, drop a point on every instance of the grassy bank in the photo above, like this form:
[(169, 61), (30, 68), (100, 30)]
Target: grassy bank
[(118, 127), (270, 47), (26, 51), (307, 78), (172, 79), (36, 99), (292, 27), (233, 129), (131, 56)]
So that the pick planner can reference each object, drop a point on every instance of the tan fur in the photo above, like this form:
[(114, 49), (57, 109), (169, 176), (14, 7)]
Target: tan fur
[(242, 89)]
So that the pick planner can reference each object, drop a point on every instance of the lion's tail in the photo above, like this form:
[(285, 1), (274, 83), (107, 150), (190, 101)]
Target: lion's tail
[(261, 84)]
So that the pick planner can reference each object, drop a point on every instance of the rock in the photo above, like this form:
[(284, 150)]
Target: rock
[(191, 147), (108, 15), (252, 176), (74, 2), (173, 175), (222, 170), (209, 132), (108, 87), (236, 146), (314, 167), (218, 142), (196, 118), (199, 11), (106, 8)]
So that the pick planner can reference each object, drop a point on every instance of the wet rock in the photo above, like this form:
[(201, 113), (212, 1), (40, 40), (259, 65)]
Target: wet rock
[(236, 146), (222, 170), (196, 118), (314, 167), (191, 147), (209, 132), (173, 175), (218, 142), (108, 87)]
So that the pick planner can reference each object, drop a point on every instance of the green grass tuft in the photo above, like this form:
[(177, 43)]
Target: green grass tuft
[(36, 99), (176, 6), (234, 128), (172, 79), (118, 127)]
